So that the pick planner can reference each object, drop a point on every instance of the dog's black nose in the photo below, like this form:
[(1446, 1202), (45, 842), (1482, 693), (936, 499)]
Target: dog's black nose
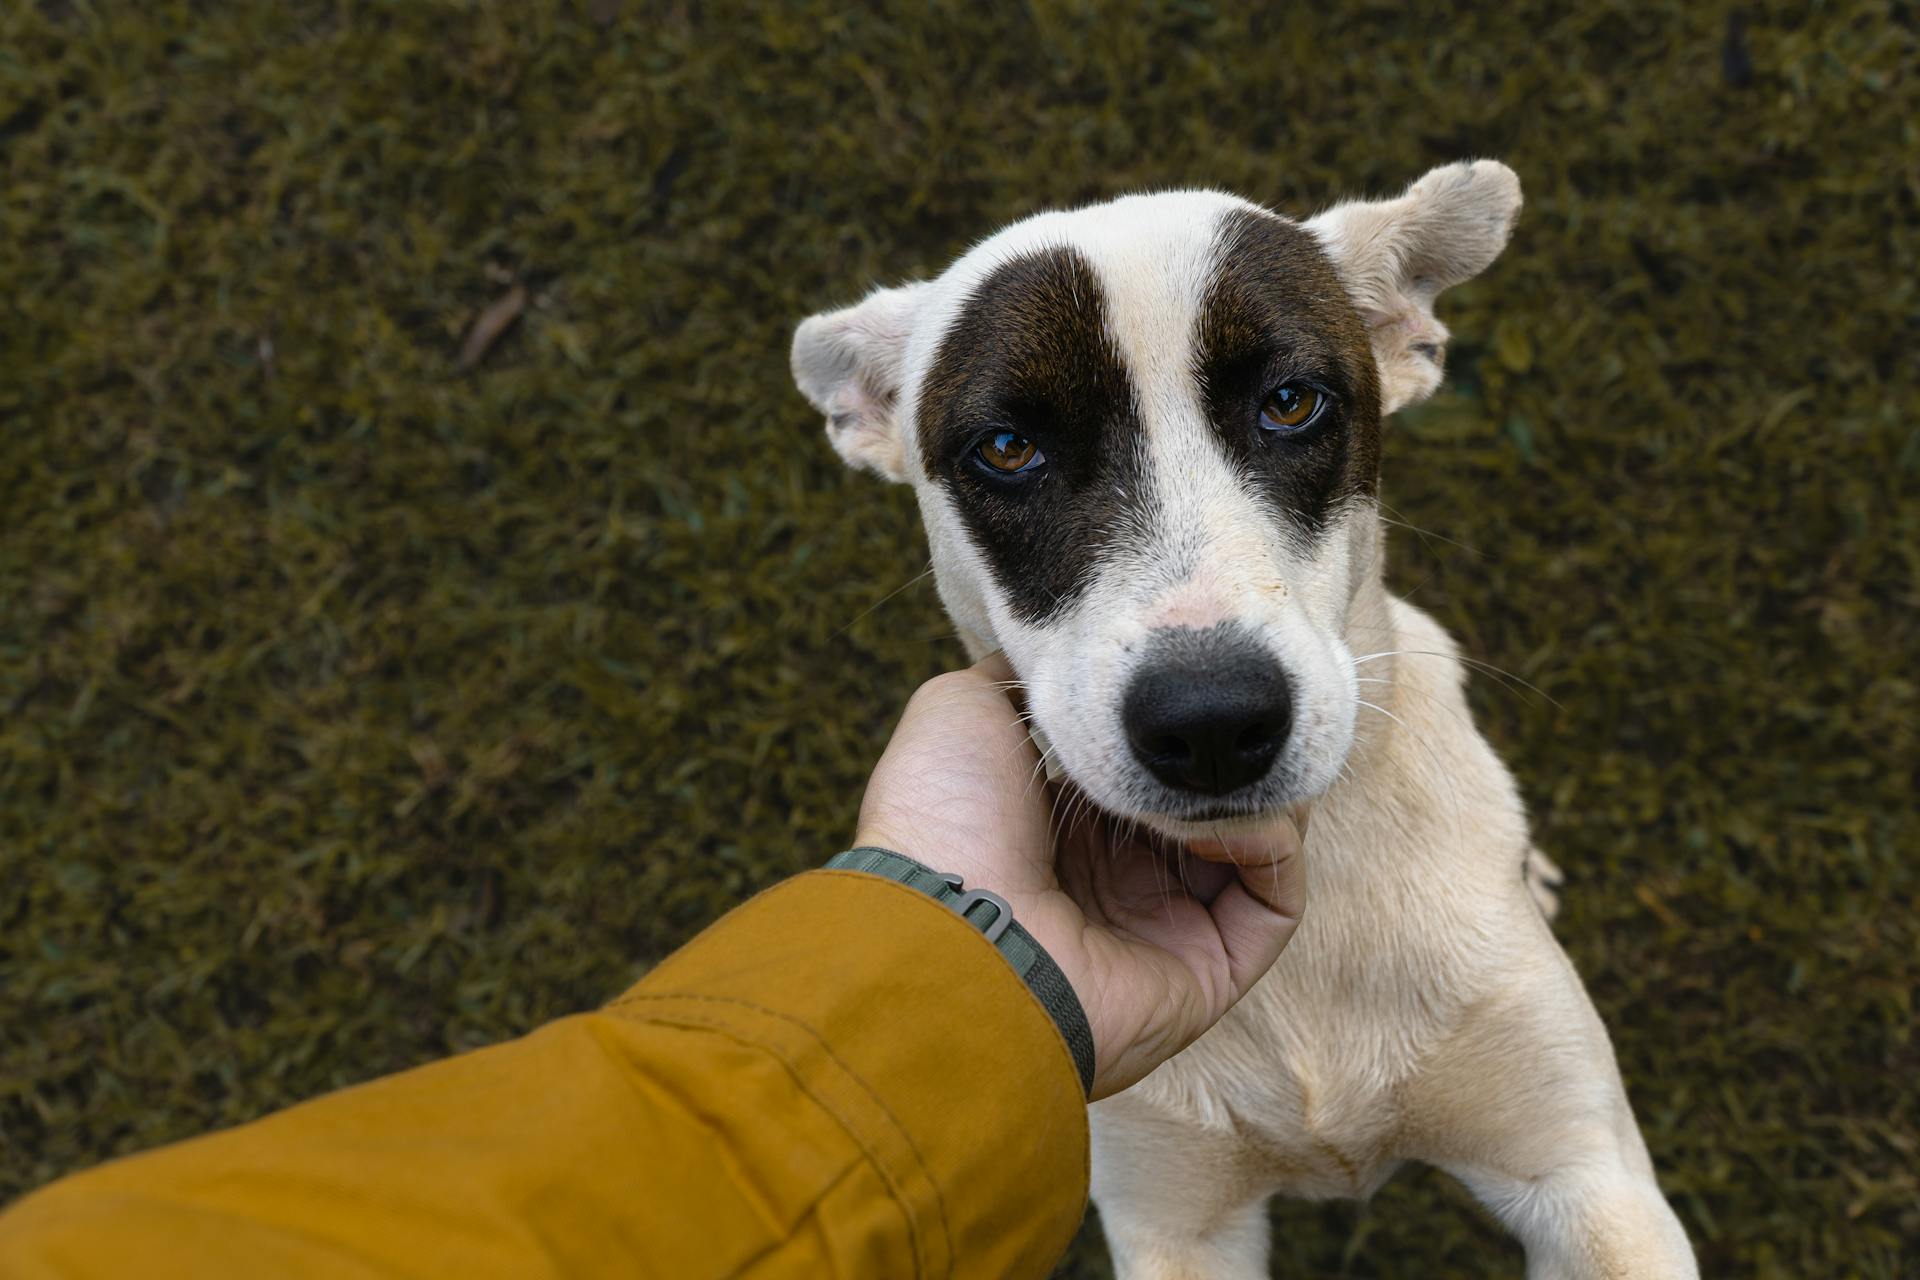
[(1208, 710)]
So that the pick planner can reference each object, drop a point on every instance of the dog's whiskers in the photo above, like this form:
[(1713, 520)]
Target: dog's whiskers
[(1477, 664), (925, 573), (1039, 767), (1429, 696), (1440, 770), (1399, 520)]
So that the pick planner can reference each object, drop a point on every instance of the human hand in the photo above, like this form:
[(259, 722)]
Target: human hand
[(1157, 945)]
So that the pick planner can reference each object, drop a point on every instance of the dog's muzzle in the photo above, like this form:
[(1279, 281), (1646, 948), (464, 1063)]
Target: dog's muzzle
[(1208, 710)]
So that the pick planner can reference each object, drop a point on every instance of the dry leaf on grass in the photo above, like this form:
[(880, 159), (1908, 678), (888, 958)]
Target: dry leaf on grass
[(493, 322)]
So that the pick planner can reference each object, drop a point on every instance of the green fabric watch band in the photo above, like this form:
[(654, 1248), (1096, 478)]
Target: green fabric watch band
[(989, 913)]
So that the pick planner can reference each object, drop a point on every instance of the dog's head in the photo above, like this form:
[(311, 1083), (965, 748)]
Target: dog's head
[(1145, 437)]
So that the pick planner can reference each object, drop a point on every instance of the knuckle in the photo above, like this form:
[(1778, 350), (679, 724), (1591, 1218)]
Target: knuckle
[(949, 685)]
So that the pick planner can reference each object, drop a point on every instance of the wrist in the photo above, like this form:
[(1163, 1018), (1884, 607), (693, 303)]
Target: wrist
[(999, 925)]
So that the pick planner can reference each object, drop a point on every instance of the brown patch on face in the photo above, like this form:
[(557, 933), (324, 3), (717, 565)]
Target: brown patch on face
[(1276, 313), (1030, 354)]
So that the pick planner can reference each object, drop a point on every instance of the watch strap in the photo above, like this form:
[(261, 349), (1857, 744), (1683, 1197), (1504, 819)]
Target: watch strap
[(993, 917)]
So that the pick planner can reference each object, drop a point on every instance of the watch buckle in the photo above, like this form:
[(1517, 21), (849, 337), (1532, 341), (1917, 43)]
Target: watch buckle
[(993, 928)]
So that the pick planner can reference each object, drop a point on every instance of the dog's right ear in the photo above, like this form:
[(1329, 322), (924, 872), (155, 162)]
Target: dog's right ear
[(1397, 255), (848, 364)]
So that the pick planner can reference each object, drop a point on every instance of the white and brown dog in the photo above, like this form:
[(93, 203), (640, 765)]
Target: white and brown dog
[(1145, 438)]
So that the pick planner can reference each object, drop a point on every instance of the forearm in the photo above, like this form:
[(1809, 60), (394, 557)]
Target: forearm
[(838, 1078)]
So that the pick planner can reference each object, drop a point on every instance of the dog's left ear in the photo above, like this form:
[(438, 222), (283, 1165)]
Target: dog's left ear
[(1395, 257), (848, 364)]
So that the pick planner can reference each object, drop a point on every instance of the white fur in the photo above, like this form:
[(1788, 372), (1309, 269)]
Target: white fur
[(1423, 1011)]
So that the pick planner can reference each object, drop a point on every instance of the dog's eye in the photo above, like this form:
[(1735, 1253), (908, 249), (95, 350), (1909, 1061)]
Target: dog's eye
[(1009, 452), (1291, 408)]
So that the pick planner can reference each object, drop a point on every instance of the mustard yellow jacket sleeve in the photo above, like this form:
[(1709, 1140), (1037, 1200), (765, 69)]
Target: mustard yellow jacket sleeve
[(839, 1079)]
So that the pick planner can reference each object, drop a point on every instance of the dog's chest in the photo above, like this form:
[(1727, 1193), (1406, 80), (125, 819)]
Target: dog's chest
[(1306, 1073), (1309, 1072)]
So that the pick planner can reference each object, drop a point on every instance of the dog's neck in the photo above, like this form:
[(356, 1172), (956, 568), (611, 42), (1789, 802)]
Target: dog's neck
[(1422, 800), (1375, 639)]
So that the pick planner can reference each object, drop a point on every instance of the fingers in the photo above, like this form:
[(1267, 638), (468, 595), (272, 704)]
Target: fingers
[(995, 667), (1257, 847), (968, 696), (991, 672), (1252, 933), (1257, 914), (961, 782)]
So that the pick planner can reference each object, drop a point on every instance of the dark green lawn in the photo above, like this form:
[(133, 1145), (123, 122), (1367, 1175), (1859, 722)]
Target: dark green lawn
[(358, 705)]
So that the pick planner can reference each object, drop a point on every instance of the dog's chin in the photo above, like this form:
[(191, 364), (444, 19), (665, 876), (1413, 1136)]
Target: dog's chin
[(1187, 820), (1221, 822)]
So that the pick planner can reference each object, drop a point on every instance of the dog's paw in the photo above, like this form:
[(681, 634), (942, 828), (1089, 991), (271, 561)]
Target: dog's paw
[(1543, 880)]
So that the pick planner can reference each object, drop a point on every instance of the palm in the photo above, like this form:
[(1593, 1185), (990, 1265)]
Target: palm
[(1156, 943)]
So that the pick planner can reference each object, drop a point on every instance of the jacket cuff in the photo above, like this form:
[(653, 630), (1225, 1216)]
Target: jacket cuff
[(904, 1022), (1009, 937)]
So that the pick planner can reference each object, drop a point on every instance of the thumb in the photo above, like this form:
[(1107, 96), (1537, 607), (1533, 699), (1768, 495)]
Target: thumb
[(1257, 914)]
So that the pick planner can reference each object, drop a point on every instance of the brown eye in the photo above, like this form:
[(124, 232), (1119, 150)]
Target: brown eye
[(1291, 407), (1008, 452)]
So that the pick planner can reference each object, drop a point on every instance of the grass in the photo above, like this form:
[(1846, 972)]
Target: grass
[(360, 703)]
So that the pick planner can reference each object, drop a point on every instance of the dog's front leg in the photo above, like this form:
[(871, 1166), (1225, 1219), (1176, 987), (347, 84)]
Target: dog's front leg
[(1525, 1106), (1594, 1219), (1177, 1201)]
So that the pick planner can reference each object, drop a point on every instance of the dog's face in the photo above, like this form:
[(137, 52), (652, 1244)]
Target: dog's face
[(1145, 437)]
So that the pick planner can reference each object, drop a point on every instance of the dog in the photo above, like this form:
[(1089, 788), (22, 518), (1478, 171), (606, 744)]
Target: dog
[(1145, 438)]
